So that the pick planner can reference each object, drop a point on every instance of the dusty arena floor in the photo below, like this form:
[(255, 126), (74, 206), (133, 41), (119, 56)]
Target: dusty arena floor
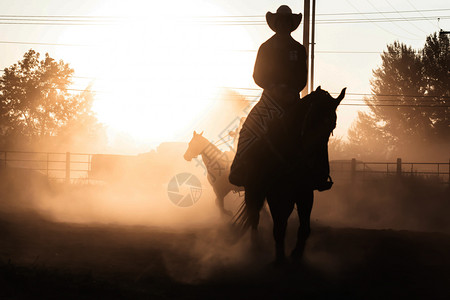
[(50, 260)]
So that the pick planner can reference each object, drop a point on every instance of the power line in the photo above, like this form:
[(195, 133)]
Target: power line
[(61, 16), (103, 17), (393, 95), (387, 105), (254, 101), (384, 12), (50, 22), (404, 17), (395, 105), (382, 28), (45, 44), (260, 90), (357, 94), (420, 12), (368, 1), (225, 50)]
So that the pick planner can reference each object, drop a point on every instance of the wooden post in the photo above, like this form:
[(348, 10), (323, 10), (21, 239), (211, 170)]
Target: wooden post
[(449, 171), (306, 14), (353, 170), (399, 166), (67, 167)]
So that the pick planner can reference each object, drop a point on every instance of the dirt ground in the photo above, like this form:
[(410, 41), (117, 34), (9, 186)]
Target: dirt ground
[(51, 260)]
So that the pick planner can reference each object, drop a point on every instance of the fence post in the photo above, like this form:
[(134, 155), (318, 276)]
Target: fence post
[(353, 170), (89, 167), (399, 166), (67, 167), (449, 171)]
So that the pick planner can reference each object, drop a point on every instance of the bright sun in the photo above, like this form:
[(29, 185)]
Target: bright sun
[(157, 71)]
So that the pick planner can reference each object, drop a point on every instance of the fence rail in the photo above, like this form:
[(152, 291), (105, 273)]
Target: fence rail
[(72, 167)]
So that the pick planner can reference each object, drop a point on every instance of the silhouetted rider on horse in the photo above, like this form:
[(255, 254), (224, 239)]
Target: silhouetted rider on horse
[(281, 70), (282, 153)]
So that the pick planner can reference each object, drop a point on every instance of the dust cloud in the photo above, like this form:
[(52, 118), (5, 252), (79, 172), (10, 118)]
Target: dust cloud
[(123, 198), (389, 202)]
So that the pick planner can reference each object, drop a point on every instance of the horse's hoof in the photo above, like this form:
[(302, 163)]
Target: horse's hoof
[(297, 255), (280, 263)]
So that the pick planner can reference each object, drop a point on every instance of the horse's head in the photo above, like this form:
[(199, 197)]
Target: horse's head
[(320, 119), (197, 144)]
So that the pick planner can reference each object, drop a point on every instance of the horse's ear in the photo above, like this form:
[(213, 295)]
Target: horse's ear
[(195, 133), (201, 133), (318, 88), (340, 97)]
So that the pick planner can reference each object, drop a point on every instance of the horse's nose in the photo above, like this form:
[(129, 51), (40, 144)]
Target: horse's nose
[(186, 157)]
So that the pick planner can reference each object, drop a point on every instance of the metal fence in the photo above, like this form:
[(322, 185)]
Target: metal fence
[(73, 167), (354, 169), (67, 166)]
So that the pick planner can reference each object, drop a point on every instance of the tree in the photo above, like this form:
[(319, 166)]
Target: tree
[(82, 132), (366, 140), (410, 102), (35, 102)]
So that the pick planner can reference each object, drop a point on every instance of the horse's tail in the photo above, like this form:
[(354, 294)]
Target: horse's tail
[(241, 221), (248, 214)]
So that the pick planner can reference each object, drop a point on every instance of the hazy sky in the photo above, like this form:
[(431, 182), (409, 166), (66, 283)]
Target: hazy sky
[(157, 64)]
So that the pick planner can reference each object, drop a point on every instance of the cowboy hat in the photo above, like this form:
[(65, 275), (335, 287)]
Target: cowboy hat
[(282, 12)]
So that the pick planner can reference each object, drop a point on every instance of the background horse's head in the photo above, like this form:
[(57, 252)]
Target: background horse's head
[(197, 144), (320, 118)]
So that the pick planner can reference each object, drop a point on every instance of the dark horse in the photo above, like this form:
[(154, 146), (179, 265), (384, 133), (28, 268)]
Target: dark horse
[(284, 163)]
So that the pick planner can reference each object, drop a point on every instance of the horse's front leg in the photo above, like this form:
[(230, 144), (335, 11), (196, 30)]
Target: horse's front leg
[(280, 207), (304, 207)]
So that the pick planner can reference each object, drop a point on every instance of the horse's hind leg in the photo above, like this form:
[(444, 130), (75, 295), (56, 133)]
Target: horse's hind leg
[(304, 207), (221, 205)]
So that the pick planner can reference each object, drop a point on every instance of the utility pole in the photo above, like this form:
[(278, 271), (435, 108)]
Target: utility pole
[(306, 14), (313, 31)]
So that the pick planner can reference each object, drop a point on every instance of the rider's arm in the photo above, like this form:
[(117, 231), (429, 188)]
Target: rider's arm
[(262, 72)]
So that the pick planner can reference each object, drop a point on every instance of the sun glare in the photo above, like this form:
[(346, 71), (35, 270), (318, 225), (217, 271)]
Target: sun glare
[(157, 73)]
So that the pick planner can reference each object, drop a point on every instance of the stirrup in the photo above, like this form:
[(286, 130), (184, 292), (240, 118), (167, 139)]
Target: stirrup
[(324, 186)]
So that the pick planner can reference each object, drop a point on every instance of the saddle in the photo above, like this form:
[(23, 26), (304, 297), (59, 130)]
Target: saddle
[(256, 159)]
